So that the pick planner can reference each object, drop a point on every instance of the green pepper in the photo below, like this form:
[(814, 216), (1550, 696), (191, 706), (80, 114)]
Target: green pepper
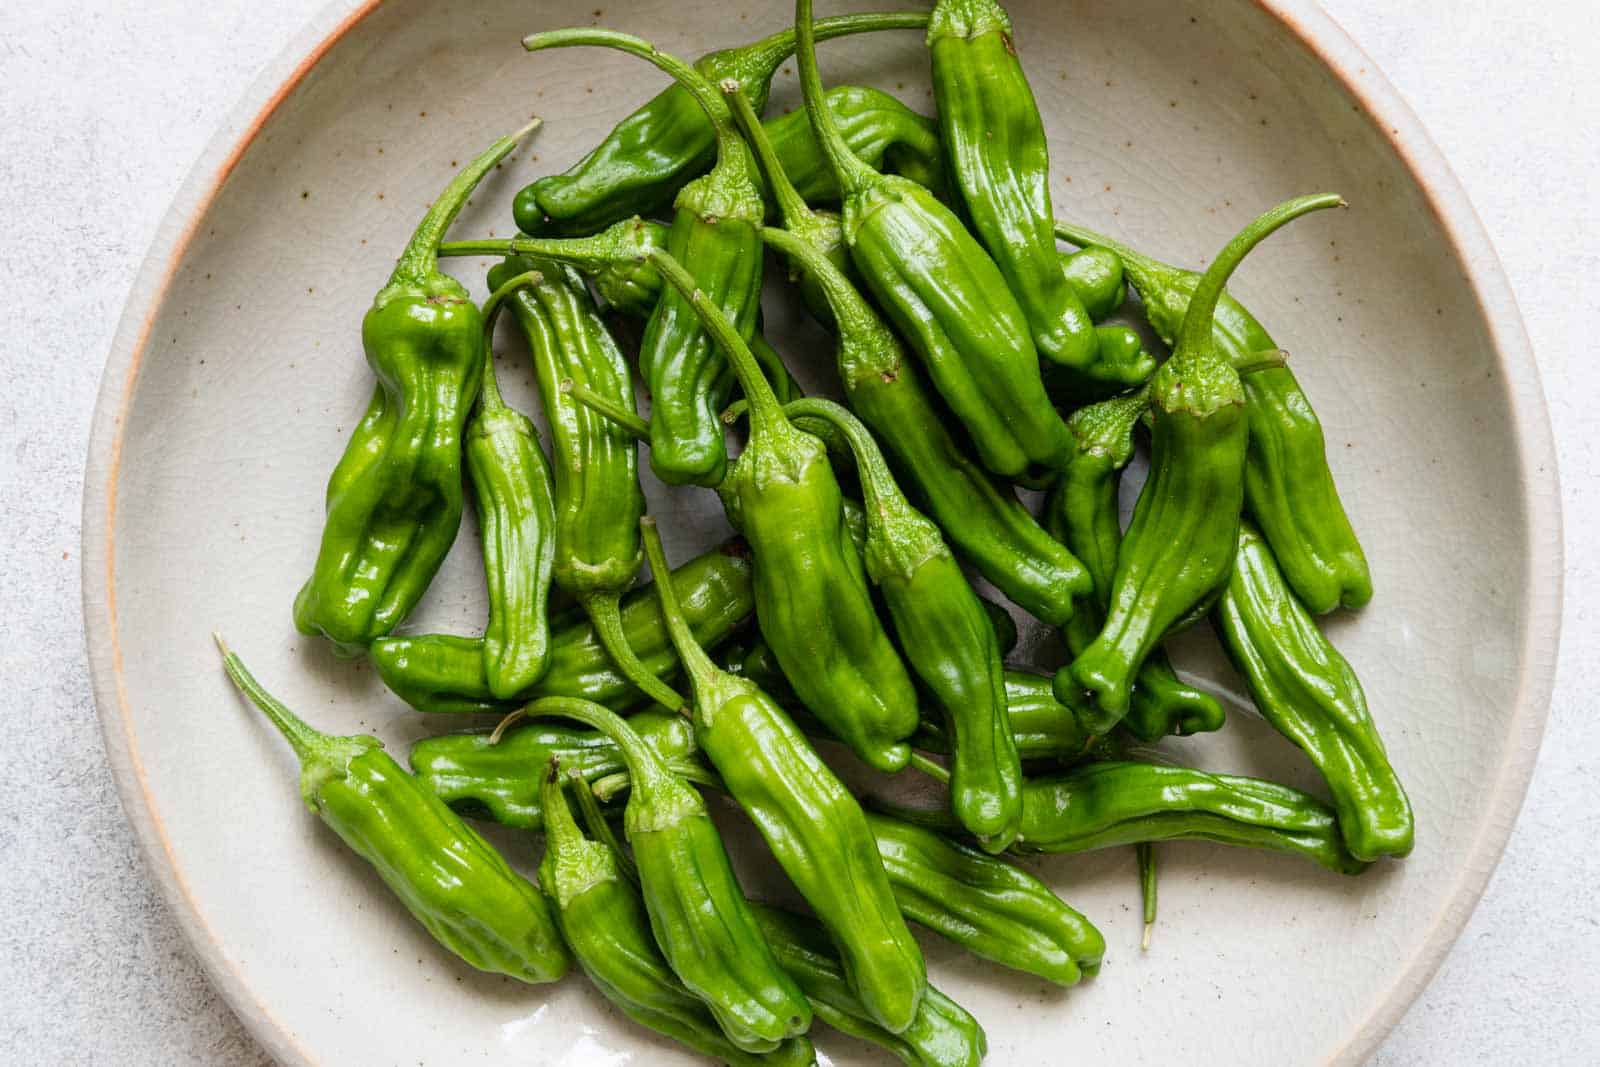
[(1179, 548), (1102, 805), (987, 906), (1288, 488), (945, 634), (644, 162), (877, 127), (604, 922), (447, 877), (983, 519), (394, 500), (444, 673), (1041, 726), (1096, 275), (944, 293), (1310, 694), (811, 822), (1000, 161), (944, 1034), (1082, 511)]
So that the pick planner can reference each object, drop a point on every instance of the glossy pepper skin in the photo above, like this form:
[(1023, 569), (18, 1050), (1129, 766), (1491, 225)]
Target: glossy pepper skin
[(447, 877), (445, 674), (700, 917), (1179, 547), (811, 822), (944, 294), (642, 164), (987, 906), (394, 500), (1000, 163), (982, 518), (1082, 511), (603, 920), (946, 637), (1310, 694), (1288, 488), (878, 128), (1042, 728), (943, 1034), (1100, 805)]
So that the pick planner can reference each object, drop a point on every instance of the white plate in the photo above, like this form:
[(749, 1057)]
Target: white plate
[(237, 372)]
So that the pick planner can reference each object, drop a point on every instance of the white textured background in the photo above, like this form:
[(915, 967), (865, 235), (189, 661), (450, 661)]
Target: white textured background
[(102, 111)]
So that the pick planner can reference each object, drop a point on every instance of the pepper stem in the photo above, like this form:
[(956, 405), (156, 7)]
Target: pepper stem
[(604, 405), (883, 496), (1197, 320), (1146, 853), (766, 54), (791, 205), (937, 771), (701, 670), (420, 258), (594, 820), (561, 830), (605, 611), (489, 397), (851, 171), (645, 768), (616, 243), (303, 738)]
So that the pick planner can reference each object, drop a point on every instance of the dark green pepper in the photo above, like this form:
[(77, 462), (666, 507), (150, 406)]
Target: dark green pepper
[(444, 673), (1041, 726), (1179, 547), (1082, 511), (394, 500), (448, 878), (604, 921), (644, 162), (877, 127), (987, 906), (944, 293), (1310, 694), (1288, 488), (811, 822), (1000, 162)]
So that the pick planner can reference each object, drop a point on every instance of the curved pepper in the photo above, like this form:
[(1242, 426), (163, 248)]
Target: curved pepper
[(1288, 488), (1000, 161), (811, 822), (604, 921), (878, 128), (1096, 275), (642, 164), (448, 878), (1310, 694), (1179, 547), (1041, 726), (944, 293), (987, 906), (394, 500), (1082, 511), (444, 673)]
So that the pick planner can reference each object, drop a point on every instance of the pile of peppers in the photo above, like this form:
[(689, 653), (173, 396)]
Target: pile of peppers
[(836, 636)]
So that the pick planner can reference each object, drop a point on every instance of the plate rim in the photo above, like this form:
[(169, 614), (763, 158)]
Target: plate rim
[(1314, 29)]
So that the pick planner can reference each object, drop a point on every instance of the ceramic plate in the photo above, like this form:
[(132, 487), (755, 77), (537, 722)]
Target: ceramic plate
[(237, 373)]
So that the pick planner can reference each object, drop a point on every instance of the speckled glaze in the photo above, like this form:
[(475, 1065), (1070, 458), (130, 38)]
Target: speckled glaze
[(237, 371)]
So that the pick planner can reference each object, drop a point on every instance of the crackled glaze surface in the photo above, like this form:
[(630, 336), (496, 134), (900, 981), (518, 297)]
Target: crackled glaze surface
[(234, 380)]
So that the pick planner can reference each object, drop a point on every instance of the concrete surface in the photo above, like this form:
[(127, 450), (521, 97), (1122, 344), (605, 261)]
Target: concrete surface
[(103, 107)]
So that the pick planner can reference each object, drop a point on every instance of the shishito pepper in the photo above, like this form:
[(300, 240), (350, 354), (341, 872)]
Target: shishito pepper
[(444, 673), (394, 500), (877, 127), (1310, 694), (448, 877), (1000, 163), (943, 292), (653, 153), (1041, 726), (811, 822), (1179, 547), (1288, 488), (604, 921)]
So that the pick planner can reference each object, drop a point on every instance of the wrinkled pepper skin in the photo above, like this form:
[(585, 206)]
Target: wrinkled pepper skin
[(448, 878), (444, 674), (631, 286), (944, 294), (1102, 805), (983, 519), (1289, 490), (1179, 548), (1082, 512), (480, 778), (642, 164), (878, 128), (943, 1034), (987, 906), (394, 500), (1310, 694), (1000, 164), (811, 822), (603, 920), (699, 915)]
